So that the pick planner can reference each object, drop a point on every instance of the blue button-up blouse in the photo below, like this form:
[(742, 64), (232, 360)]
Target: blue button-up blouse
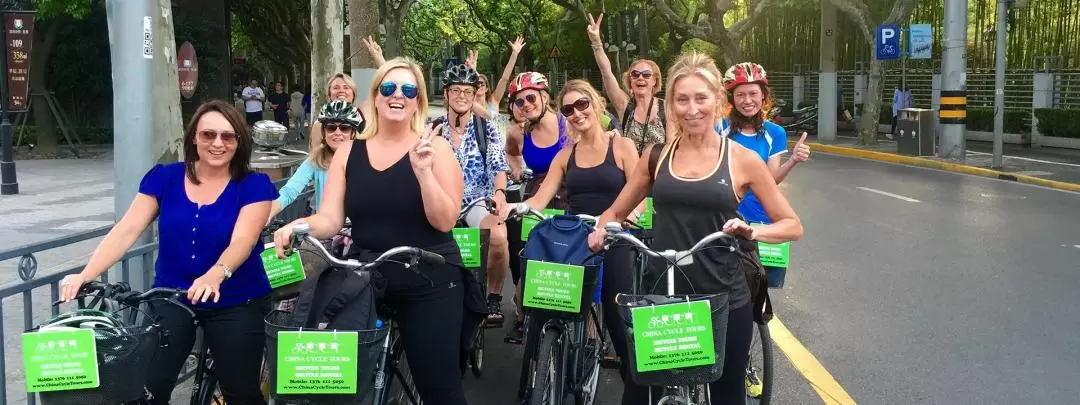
[(192, 238)]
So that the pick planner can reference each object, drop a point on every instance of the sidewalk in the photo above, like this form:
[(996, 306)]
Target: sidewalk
[(1049, 167)]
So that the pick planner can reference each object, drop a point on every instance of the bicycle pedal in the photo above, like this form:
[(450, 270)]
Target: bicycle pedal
[(610, 362)]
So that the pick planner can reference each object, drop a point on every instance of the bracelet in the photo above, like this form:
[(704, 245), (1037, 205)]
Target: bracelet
[(597, 46), (499, 190), (225, 269)]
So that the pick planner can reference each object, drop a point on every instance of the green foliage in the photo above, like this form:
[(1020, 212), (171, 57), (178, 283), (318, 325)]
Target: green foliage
[(78, 9), (79, 70), (982, 119), (1064, 123), (89, 135)]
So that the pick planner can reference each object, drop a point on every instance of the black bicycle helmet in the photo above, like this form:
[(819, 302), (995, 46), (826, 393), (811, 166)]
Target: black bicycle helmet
[(461, 74), (342, 112)]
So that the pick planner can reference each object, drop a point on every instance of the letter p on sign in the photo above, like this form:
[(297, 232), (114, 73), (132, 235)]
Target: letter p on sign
[(887, 42)]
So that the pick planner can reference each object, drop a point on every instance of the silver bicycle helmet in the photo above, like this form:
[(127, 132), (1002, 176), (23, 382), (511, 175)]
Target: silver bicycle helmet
[(461, 74), (342, 112)]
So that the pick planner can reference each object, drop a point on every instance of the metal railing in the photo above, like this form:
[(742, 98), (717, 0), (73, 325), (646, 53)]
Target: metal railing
[(31, 289)]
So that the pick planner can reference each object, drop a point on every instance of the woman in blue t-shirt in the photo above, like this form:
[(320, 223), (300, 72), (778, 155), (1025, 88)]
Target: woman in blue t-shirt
[(210, 210), (750, 97)]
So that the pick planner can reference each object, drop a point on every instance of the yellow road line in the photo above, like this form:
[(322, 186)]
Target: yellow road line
[(826, 386)]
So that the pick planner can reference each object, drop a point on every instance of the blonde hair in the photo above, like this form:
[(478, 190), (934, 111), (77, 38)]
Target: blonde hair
[(348, 82), (371, 111), (692, 64), (657, 76), (596, 102)]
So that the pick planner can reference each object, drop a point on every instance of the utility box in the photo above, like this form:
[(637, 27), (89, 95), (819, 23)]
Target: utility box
[(915, 133)]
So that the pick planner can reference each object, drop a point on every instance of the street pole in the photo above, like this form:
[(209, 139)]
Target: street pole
[(954, 82), (999, 85), (9, 184), (827, 100)]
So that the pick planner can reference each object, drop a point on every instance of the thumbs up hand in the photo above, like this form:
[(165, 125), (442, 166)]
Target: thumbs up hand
[(801, 153)]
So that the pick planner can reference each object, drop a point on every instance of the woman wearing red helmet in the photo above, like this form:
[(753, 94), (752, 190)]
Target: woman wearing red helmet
[(747, 124)]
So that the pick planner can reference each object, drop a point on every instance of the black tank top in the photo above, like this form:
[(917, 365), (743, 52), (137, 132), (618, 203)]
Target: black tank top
[(386, 207), (687, 210), (592, 190)]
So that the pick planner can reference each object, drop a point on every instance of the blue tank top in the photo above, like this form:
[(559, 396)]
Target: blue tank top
[(539, 159)]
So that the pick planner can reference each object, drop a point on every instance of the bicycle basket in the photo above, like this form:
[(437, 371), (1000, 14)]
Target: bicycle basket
[(693, 375), (368, 348), (123, 356)]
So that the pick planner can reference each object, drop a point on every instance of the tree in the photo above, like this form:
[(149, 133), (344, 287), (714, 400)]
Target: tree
[(860, 13), (280, 31), (392, 13), (713, 28), (51, 16), (363, 18)]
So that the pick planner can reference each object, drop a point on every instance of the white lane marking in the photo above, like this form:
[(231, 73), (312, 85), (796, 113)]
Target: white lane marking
[(1076, 246), (886, 193), (1027, 159)]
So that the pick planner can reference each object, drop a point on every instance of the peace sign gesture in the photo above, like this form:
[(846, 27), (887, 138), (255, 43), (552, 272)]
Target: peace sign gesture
[(593, 29), (422, 155)]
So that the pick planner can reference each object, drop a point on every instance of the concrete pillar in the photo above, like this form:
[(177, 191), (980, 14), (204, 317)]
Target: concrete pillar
[(1043, 97), (797, 84), (953, 112), (827, 101), (327, 47)]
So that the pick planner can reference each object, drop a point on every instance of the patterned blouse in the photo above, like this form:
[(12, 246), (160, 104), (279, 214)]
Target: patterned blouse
[(479, 183)]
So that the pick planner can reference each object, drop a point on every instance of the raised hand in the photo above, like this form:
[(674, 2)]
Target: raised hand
[(593, 29)]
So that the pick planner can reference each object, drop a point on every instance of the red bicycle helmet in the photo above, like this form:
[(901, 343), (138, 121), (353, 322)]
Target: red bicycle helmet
[(526, 81), (743, 73)]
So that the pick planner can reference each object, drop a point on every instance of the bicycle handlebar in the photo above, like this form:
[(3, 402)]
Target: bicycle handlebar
[(121, 292), (489, 205), (300, 232), (521, 209), (674, 258)]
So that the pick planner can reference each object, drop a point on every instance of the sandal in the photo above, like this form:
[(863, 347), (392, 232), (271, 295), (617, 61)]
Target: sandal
[(516, 334), (495, 316)]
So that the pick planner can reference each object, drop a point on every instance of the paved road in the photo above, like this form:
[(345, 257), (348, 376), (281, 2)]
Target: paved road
[(910, 286), (955, 297)]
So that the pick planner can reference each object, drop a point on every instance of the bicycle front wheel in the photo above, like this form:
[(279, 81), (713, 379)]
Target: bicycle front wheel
[(549, 375), (759, 370)]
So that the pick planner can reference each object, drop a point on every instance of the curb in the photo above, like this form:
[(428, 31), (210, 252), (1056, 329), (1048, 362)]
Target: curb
[(935, 164)]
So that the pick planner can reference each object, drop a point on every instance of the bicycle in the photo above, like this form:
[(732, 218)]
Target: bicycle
[(689, 386), (475, 362), (119, 299), (558, 360), (391, 360)]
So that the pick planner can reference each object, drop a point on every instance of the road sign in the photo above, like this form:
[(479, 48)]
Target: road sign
[(887, 42), (187, 69), (920, 41), (19, 35), (451, 62), (555, 52)]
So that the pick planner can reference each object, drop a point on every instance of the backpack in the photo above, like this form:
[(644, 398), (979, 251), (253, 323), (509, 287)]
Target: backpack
[(756, 279), (565, 239), (480, 125)]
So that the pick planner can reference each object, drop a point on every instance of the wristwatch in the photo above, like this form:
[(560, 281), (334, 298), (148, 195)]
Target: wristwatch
[(225, 269)]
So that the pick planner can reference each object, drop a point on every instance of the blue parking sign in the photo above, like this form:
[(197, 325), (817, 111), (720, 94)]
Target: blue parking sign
[(451, 62), (887, 42)]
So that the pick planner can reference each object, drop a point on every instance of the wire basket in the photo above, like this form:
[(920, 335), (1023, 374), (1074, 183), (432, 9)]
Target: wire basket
[(124, 355), (269, 134), (367, 357), (718, 305)]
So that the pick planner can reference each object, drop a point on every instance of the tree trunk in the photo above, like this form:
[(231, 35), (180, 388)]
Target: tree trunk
[(393, 23), (44, 122), (363, 22), (871, 114), (327, 42)]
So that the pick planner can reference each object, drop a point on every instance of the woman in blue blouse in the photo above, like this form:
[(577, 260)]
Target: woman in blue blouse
[(339, 122), (210, 210)]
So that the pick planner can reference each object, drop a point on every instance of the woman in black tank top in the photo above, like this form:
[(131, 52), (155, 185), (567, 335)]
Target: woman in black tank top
[(697, 185), (401, 186)]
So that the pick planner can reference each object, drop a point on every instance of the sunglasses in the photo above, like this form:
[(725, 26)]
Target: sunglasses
[(641, 73), (520, 102), (330, 128), (581, 104), (209, 135), (409, 90)]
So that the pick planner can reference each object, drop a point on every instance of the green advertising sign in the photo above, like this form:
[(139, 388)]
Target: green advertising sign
[(553, 286), (468, 241), (646, 218), (528, 222), (60, 360), (774, 255), (675, 335), (282, 272), (322, 362)]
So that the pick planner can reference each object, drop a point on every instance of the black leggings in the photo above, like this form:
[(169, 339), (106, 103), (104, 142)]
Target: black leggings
[(429, 319), (730, 389), (618, 279), (234, 336)]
